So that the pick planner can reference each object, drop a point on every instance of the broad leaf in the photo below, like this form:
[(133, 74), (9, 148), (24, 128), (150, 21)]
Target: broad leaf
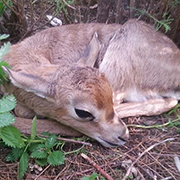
[(3, 7), (7, 103), (4, 49), (39, 153), (50, 141), (33, 128), (17, 153), (4, 36), (10, 157), (3, 75), (56, 158), (45, 134), (85, 178), (35, 147), (6, 119), (12, 137), (23, 165), (93, 176), (41, 162)]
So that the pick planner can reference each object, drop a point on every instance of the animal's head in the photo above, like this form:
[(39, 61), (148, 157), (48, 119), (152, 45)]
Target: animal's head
[(77, 95)]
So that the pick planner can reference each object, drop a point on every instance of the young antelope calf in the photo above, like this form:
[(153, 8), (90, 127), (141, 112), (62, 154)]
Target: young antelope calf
[(70, 74)]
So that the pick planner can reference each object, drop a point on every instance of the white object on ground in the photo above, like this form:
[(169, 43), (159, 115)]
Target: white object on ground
[(54, 21)]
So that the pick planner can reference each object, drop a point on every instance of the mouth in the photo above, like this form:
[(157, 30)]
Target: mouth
[(110, 144)]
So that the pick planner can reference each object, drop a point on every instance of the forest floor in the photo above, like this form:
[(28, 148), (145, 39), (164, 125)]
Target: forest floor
[(152, 158)]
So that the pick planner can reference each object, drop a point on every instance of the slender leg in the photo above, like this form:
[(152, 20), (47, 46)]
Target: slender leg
[(45, 125), (24, 122), (24, 112), (148, 108)]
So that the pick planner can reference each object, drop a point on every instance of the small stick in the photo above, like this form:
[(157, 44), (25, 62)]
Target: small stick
[(97, 167), (15, 12), (69, 140), (144, 152), (69, 5), (42, 172), (60, 173)]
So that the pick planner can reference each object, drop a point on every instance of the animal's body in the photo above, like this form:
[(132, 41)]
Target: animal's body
[(58, 73)]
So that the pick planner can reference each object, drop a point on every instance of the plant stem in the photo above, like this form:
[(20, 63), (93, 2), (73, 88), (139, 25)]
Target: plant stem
[(154, 126), (33, 140), (75, 151)]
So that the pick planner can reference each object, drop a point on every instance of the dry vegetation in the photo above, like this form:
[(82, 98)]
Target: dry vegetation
[(151, 157)]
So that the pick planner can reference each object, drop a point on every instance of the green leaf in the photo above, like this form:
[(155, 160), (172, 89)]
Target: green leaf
[(35, 147), (17, 153), (12, 137), (33, 128), (3, 7), (56, 158), (23, 165), (6, 119), (45, 134), (51, 141), (4, 49), (4, 36), (92, 177), (41, 162), (10, 157), (85, 178), (178, 131), (39, 154), (7, 103), (3, 75)]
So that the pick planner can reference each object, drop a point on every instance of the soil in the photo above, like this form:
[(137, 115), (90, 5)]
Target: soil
[(158, 163)]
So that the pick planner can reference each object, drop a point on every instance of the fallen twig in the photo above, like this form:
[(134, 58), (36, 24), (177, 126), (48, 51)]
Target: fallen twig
[(144, 152), (42, 172), (69, 140), (177, 162), (15, 12), (64, 169), (69, 5), (97, 167)]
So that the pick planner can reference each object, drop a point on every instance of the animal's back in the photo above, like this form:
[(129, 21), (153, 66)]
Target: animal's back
[(64, 44), (142, 62), (134, 57)]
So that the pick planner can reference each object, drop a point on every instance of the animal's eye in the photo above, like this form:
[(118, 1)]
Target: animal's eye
[(84, 114)]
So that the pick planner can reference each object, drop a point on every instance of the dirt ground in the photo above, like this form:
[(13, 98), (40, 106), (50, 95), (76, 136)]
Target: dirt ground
[(151, 158)]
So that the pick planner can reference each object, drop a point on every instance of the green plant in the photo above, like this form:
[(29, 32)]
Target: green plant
[(3, 7), (166, 18), (164, 22), (93, 176), (171, 123), (8, 102), (61, 5), (3, 50), (44, 150)]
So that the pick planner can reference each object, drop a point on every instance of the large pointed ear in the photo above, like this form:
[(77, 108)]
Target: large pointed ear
[(30, 83), (91, 53)]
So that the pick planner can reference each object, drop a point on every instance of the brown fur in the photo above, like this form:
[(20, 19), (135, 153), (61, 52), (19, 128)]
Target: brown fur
[(51, 77)]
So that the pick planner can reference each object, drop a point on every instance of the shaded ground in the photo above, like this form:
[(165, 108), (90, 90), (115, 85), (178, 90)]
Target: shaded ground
[(158, 163)]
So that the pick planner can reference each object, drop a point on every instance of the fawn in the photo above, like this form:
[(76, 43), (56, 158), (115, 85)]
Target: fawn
[(79, 74)]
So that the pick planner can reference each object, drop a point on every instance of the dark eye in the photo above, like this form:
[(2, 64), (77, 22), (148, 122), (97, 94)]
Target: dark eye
[(84, 114)]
